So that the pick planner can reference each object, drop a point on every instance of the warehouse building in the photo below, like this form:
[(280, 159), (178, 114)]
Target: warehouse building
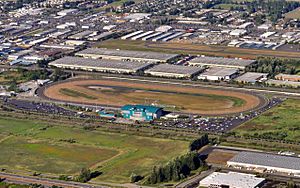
[(283, 83), (218, 73), (141, 112), (232, 179), (173, 71), (126, 55), (252, 77), (288, 77), (266, 162), (221, 62), (100, 65)]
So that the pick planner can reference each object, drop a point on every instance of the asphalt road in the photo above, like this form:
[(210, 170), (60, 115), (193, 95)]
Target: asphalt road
[(19, 179)]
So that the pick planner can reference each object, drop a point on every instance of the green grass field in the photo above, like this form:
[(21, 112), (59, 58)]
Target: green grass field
[(281, 122), (73, 93), (38, 147)]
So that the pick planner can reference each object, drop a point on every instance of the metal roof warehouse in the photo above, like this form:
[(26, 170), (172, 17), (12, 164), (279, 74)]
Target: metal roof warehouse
[(221, 62), (178, 71), (100, 65), (279, 163), (126, 55)]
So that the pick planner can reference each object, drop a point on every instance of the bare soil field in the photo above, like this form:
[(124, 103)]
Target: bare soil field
[(184, 99), (220, 157)]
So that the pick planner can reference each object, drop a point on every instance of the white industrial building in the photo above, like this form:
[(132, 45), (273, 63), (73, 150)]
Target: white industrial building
[(252, 77), (221, 62), (173, 71), (218, 73), (266, 162), (231, 180), (99, 65), (126, 55)]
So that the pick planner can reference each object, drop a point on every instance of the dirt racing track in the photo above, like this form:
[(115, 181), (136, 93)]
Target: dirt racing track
[(116, 93)]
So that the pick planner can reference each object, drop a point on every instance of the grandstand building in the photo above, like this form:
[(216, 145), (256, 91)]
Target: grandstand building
[(126, 55), (141, 112)]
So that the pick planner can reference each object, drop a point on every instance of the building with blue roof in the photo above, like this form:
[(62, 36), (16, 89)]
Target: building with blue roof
[(141, 112)]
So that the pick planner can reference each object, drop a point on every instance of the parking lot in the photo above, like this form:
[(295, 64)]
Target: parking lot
[(217, 124)]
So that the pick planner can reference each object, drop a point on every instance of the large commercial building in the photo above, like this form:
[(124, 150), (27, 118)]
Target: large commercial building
[(126, 55), (231, 180), (218, 73), (252, 77), (283, 83), (266, 162), (221, 62), (141, 112), (288, 77), (173, 71), (99, 65)]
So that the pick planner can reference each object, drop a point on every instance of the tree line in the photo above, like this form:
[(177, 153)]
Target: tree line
[(176, 169), (274, 66), (180, 167)]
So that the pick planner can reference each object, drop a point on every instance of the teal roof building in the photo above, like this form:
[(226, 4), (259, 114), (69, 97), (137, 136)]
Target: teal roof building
[(141, 112)]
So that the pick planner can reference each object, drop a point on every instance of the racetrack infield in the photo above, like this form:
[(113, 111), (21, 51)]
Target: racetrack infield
[(183, 99)]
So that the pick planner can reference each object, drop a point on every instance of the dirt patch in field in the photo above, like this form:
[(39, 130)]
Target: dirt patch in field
[(186, 99), (220, 157)]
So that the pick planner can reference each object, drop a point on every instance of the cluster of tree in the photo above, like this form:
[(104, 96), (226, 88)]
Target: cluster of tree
[(268, 135), (176, 169), (272, 8), (59, 74), (274, 66), (33, 74), (128, 3), (86, 175), (199, 143)]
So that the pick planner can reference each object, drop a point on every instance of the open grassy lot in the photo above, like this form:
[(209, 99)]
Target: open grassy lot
[(38, 147), (34, 155), (294, 14), (281, 122), (137, 154), (186, 99), (196, 49)]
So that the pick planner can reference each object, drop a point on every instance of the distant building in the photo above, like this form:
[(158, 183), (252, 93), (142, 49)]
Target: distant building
[(283, 83), (174, 71), (238, 32), (106, 114), (126, 55), (141, 112), (252, 77), (231, 180), (288, 77), (221, 62), (99, 65), (268, 162), (219, 73)]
